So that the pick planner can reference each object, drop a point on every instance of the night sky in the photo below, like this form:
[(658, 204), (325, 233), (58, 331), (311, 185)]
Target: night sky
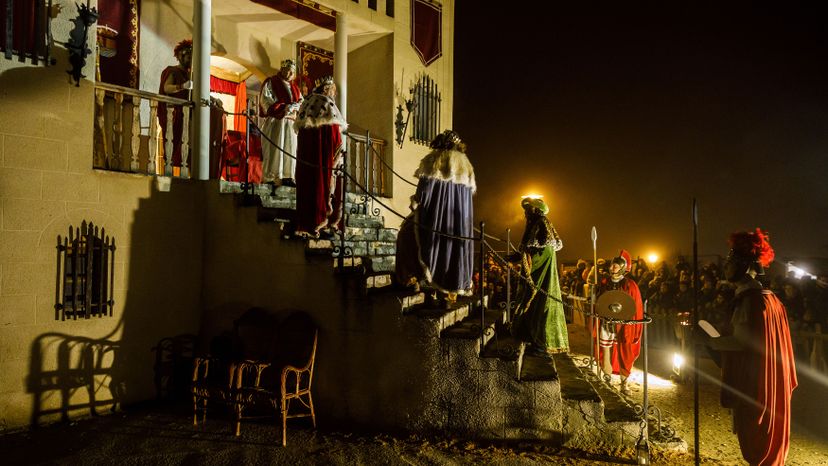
[(620, 117)]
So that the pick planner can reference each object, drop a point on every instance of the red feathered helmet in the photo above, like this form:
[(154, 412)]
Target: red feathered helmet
[(184, 44), (752, 248), (624, 260)]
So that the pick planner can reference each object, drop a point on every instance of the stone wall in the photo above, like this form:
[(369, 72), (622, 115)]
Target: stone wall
[(50, 368)]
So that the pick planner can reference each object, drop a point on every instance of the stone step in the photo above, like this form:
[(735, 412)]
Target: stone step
[(537, 368), (574, 383), (469, 328), (366, 221), (616, 407), (440, 318), (378, 281)]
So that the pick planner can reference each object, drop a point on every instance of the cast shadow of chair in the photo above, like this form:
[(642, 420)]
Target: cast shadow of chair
[(268, 367), (82, 365)]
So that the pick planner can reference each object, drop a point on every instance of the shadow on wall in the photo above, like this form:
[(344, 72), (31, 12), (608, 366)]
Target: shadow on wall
[(82, 364), (138, 358)]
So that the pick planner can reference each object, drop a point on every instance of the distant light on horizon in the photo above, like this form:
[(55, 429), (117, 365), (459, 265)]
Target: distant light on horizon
[(652, 258), (532, 196)]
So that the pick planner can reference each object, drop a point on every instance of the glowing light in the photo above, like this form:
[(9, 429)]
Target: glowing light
[(652, 258), (532, 196), (653, 381), (678, 362), (799, 272)]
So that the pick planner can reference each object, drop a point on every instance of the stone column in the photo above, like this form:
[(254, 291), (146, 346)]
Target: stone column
[(200, 159), (341, 63)]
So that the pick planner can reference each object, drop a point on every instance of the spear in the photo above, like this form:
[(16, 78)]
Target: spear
[(592, 295), (695, 325)]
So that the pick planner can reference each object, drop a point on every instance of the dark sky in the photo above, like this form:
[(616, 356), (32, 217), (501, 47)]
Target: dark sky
[(621, 116)]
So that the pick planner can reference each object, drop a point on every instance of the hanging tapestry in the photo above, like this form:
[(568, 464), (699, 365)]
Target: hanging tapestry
[(305, 10), (314, 64), (427, 30), (118, 42)]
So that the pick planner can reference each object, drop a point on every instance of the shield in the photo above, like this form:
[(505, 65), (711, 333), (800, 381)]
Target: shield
[(615, 304)]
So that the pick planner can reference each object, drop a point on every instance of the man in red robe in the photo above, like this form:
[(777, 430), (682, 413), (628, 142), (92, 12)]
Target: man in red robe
[(620, 344), (758, 372), (175, 82), (321, 150)]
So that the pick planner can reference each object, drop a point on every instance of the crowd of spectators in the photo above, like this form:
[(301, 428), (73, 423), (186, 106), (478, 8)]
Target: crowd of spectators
[(668, 291)]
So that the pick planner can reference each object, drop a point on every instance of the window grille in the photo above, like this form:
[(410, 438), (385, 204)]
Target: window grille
[(25, 30), (426, 116), (85, 273)]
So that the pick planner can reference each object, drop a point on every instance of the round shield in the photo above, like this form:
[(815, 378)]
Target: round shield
[(615, 304)]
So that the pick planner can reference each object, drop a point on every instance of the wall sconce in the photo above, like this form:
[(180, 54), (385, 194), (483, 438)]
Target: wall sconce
[(400, 125), (77, 40)]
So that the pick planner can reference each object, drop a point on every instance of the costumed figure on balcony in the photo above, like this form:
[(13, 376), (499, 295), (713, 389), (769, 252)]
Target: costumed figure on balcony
[(279, 104), (539, 318), (436, 254), (175, 82), (758, 371), (620, 344), (321, 151)]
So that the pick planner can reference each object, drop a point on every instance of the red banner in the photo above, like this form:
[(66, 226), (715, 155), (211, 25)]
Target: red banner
[(314, 63), (427, 30)]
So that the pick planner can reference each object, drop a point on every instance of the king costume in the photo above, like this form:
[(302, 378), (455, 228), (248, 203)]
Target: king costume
[(321, 150), (278, 103), (443, 206), (539, 319)]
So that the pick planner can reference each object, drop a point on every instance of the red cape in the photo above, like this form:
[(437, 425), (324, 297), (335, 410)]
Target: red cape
[(626, 350), (758, 382)]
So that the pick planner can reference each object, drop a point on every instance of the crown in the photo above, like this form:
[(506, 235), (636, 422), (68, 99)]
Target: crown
[(288, 63), (324, 81)]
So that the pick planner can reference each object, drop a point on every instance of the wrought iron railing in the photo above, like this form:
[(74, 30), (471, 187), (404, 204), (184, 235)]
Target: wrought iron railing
[(25, 30), (128, 136)]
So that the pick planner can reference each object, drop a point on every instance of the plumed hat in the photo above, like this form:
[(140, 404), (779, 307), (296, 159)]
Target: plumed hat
[(532, 203), (184, 44), (624, 260), (752, 247)]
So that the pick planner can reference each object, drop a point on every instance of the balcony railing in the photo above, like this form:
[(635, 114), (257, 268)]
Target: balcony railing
[(366, 163), (25, 30), (127, 133)]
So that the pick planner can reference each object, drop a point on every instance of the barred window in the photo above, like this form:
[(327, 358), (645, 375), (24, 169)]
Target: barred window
[(85, 273), (426, 118)]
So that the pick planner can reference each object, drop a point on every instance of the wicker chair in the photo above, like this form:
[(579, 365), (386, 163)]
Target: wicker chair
[(285, 378)]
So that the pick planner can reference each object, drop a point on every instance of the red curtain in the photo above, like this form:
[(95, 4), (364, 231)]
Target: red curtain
[(222, 86), (239, 90), (241, 106), (122, 16), (23, 27)]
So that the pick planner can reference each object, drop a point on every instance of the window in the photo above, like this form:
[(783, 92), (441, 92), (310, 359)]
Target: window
[(426, 118), (25, 30), (85, 273)]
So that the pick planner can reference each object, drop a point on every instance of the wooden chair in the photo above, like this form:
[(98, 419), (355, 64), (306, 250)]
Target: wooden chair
[(288, 376)]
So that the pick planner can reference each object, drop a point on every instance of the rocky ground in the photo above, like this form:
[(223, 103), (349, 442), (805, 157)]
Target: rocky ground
[(164, 435)]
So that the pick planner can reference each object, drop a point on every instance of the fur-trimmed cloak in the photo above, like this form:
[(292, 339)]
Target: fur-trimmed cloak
[(444, 205), (321, 149)]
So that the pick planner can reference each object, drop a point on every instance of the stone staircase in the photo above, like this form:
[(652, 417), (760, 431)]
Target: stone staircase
[(481, 384)]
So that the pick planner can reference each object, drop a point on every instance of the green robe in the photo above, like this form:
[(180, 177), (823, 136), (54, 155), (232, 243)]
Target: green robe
[(539, 318)]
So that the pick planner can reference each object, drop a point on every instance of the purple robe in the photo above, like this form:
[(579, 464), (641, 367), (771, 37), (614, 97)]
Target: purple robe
[(444, 196)]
